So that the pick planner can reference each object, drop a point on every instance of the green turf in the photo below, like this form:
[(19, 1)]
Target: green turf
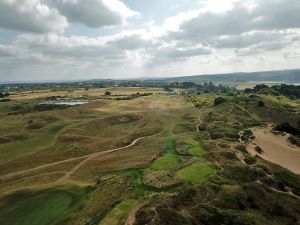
[(166, 162), (196, 172), (171, 160), (48, 207), (196, 151), (119, 213)]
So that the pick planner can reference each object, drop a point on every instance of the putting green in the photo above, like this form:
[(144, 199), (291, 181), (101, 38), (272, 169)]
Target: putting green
[(196, 172), (166, 162)]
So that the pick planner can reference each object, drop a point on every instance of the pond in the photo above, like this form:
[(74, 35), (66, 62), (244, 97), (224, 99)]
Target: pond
[(66, 102)]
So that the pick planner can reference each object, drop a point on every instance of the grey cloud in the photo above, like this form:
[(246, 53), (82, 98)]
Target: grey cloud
[(93, 13), (266, 15), (246, 39), (167, 55), (133, 42), (30, 16), (46, 16), (173, 53), (261, 47), (9, 51), (114, 47)]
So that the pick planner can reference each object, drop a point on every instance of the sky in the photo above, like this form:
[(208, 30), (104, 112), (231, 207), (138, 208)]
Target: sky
[(119, 39)]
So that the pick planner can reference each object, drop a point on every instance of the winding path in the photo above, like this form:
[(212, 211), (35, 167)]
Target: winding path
[(85, 158)]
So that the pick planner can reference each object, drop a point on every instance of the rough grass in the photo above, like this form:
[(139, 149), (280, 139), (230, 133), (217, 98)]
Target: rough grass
[(45, 207), (36, 141), (196, 172)]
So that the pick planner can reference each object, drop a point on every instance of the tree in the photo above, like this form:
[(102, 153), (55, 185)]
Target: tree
[(107, 93)]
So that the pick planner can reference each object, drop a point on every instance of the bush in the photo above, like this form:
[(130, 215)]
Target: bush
[(4, 95), (260, 104), (258, 150), (250, 160), (5, 100), (107, 93), (294, 140), (286, 127), (219, 100), (211, 215)]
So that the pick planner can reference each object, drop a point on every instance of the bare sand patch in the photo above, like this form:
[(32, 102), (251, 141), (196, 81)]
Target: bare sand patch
[(276, 148)]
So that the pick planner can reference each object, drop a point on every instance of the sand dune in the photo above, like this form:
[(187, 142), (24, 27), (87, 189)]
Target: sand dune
[(276, 148)]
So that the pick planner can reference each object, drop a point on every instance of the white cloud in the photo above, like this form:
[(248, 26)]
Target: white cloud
[(31, 16)]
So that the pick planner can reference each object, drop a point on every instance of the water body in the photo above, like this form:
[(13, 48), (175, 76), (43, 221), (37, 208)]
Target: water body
[(69, 102)]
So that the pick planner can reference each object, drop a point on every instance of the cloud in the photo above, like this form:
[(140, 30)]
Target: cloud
[(261, 47), (52, 16), (94, 13), (169, 54), (9, 51), (30, 16), (237, 18), (107, 47), (216, 36), (246, 39)]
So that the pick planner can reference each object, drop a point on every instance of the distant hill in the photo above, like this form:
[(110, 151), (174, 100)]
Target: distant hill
[(282, 76)]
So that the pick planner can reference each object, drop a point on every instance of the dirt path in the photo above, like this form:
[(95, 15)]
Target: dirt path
[(290, 193), (68, 174), (95, 155)]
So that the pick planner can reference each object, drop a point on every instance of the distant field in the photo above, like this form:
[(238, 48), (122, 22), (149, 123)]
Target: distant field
[(79, 93)]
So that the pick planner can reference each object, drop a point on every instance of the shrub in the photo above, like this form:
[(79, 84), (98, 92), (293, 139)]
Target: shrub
[(294, 140), (219, 100), (249, 160), (5, 100), (260, 104), (4, 95), (258, 150), (107, 93), (286, 127)]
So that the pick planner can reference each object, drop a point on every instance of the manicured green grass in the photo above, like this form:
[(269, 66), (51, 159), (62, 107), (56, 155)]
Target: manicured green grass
[(171, 160), (119, 213), (196, 151), (46, 207), (166, 162), (196, 172)]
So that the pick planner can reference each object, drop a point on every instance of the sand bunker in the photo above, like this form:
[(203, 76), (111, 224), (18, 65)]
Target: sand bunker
[(276, 148)]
